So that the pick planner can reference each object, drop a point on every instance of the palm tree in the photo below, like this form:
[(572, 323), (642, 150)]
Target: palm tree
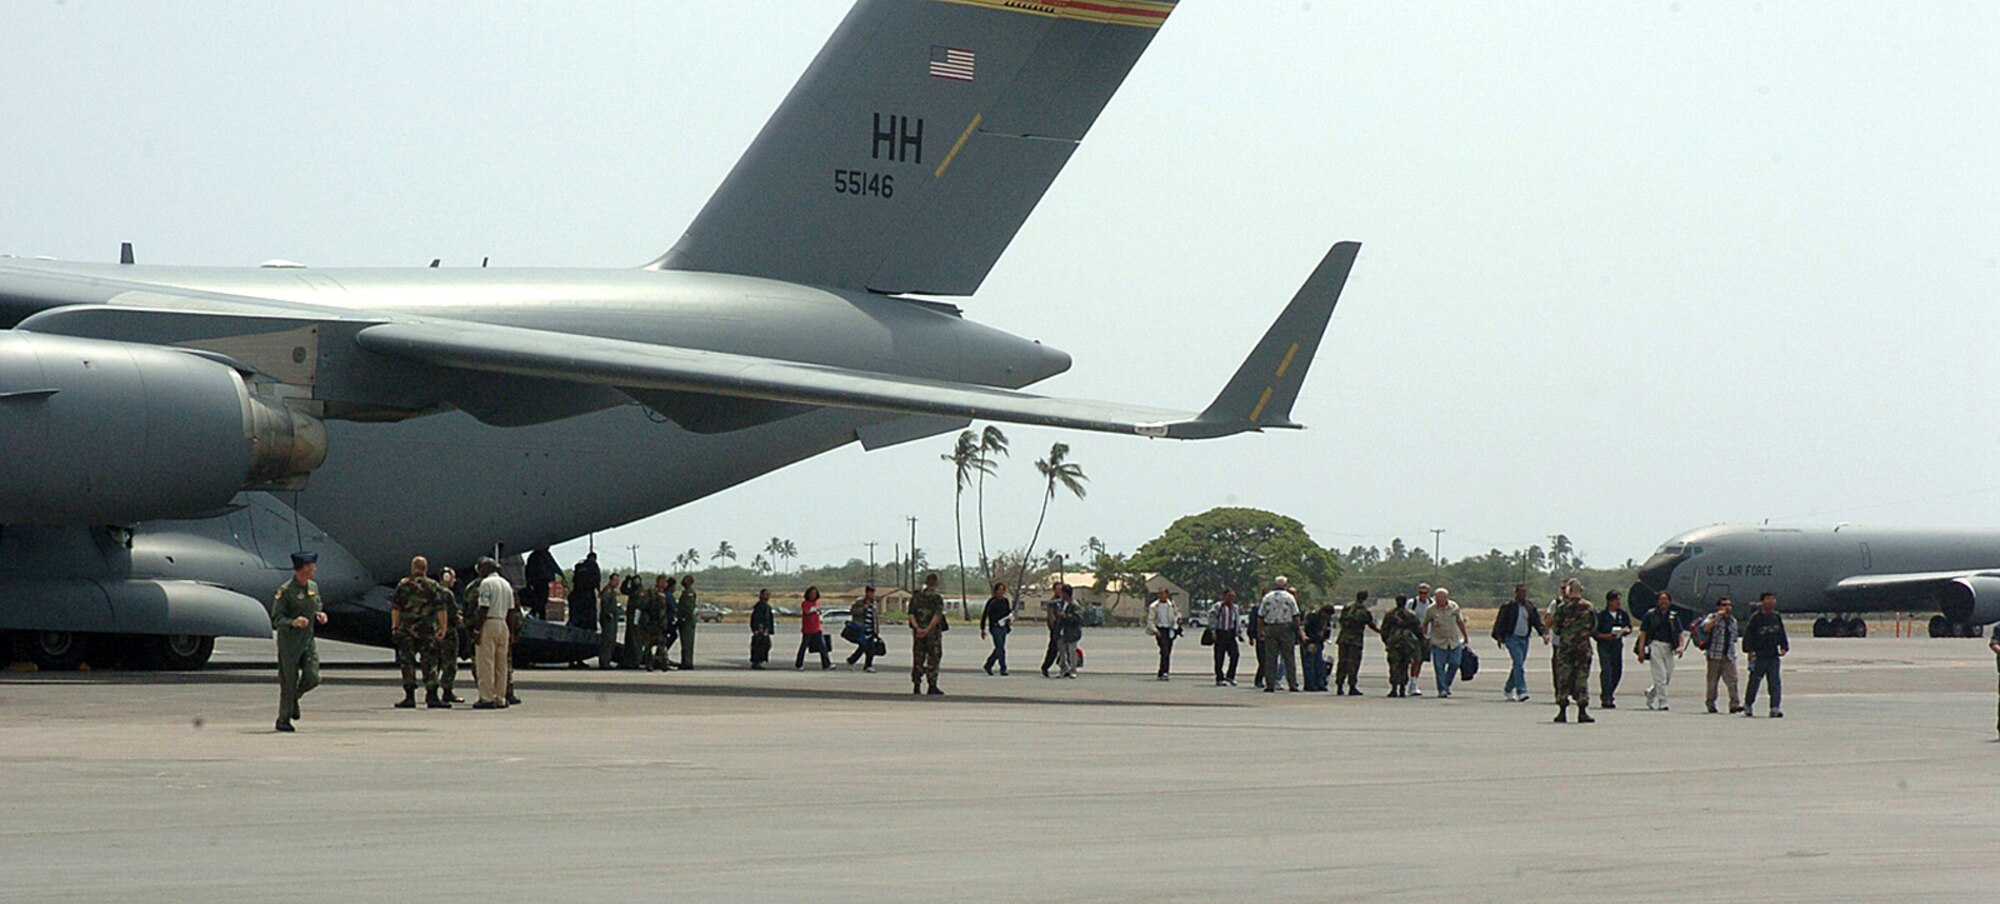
[(790, 551), (965, 461), (688, 560), (1056, 470), (723, 551), (774, 549), (760, 565), (992, 443)]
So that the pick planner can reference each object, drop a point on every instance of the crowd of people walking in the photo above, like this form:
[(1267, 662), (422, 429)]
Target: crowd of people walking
[(437, 621)]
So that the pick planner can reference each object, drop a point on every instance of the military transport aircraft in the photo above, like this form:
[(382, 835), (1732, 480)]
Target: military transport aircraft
[(1837, 571), (171, 434)]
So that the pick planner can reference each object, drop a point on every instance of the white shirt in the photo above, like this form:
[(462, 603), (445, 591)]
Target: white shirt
[(497, 596), (1278, 607), (1420, 607), (1160, 615)]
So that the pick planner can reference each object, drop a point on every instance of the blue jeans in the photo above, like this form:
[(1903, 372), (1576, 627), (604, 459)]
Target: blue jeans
[(999, 654), (1765, 669), (1444, 665), (1312, 663), (1517, 649)]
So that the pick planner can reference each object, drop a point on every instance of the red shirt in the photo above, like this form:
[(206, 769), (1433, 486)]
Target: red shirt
[(809, 617)]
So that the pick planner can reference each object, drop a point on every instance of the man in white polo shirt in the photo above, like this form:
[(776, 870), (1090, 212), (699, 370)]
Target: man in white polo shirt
[(494, 662), (1279, 613)]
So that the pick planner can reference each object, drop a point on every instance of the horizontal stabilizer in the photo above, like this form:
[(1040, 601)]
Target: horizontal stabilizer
[(1260, 395)]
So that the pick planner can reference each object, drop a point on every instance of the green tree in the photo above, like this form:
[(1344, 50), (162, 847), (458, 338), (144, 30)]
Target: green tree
[(965, 462), (992, 448), (1238, 548), (723, 551), (1057, 470)]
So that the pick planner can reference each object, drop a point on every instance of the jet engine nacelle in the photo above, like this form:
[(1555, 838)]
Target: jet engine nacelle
[(100, 432), (1971, 600)]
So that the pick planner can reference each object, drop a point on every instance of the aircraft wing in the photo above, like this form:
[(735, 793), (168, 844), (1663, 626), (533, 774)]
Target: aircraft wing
[(1870, 584), (1259, 396)]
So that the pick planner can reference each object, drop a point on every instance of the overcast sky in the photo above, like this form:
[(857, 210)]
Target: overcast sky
[(1628, 268)]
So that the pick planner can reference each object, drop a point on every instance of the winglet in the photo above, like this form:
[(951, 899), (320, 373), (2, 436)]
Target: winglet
[(1264, 388)]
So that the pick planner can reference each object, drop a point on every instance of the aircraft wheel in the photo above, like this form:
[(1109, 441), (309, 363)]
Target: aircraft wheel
[(176, 652), (1939, 627), (53, 651), (1822, 627), (1858, 628), (1968, 630)]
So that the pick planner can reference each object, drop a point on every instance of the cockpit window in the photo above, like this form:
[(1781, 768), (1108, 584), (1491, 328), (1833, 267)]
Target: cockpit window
[(1672, 549)]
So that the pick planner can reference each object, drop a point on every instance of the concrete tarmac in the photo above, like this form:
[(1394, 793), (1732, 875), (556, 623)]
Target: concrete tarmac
[(726, 784)]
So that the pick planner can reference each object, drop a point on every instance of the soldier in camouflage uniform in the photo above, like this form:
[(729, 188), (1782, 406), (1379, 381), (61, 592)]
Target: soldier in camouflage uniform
[(1355, 623), (419, 619), (927, 623), (609, 614), (1402, 637), (1574, 624), (454, 632), (294, 612), (654, 610)]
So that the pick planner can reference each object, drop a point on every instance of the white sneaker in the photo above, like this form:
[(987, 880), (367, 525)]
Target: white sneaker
[(1416, 691), (1650, 698)]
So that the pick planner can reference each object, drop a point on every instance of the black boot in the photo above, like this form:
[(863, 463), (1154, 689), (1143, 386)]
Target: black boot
[(1562, 712), (917, 688), (1583, 715), (934, 690), (285, 725), (409, 700), (433, 701)]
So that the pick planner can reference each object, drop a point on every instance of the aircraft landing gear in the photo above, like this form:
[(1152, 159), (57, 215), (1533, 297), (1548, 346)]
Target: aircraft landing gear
[(1840, 626), (51, 651), (175, 653)]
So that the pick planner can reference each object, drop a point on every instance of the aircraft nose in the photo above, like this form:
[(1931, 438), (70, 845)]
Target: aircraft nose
[(1654, 576)]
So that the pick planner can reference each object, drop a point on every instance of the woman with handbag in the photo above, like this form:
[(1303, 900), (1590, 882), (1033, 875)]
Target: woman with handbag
[(812, 633)]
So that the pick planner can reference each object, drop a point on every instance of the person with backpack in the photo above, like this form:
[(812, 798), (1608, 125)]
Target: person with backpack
[(1069, 632), (1717, 636)]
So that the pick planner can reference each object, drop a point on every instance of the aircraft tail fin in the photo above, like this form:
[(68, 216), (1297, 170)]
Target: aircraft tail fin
[(918, 142), (1261, 393)]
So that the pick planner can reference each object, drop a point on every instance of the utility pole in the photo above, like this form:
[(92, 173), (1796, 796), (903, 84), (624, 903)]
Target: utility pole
[(1437, 552), (899, 564), (871, 562), (912, 573), (634, 549)]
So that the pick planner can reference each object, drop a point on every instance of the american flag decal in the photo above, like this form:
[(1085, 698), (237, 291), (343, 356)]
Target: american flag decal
[(954, 63)]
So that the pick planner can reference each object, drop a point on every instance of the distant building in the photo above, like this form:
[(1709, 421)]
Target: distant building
[(1121, 605)]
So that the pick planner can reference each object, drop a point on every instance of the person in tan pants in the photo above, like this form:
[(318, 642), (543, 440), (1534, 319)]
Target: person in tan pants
[(495, 659)]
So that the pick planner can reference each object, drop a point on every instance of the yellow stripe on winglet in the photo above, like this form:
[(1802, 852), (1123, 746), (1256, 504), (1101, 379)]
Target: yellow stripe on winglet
[(1142, 13), (962, 138), (1259, 410), (1287, 363)]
